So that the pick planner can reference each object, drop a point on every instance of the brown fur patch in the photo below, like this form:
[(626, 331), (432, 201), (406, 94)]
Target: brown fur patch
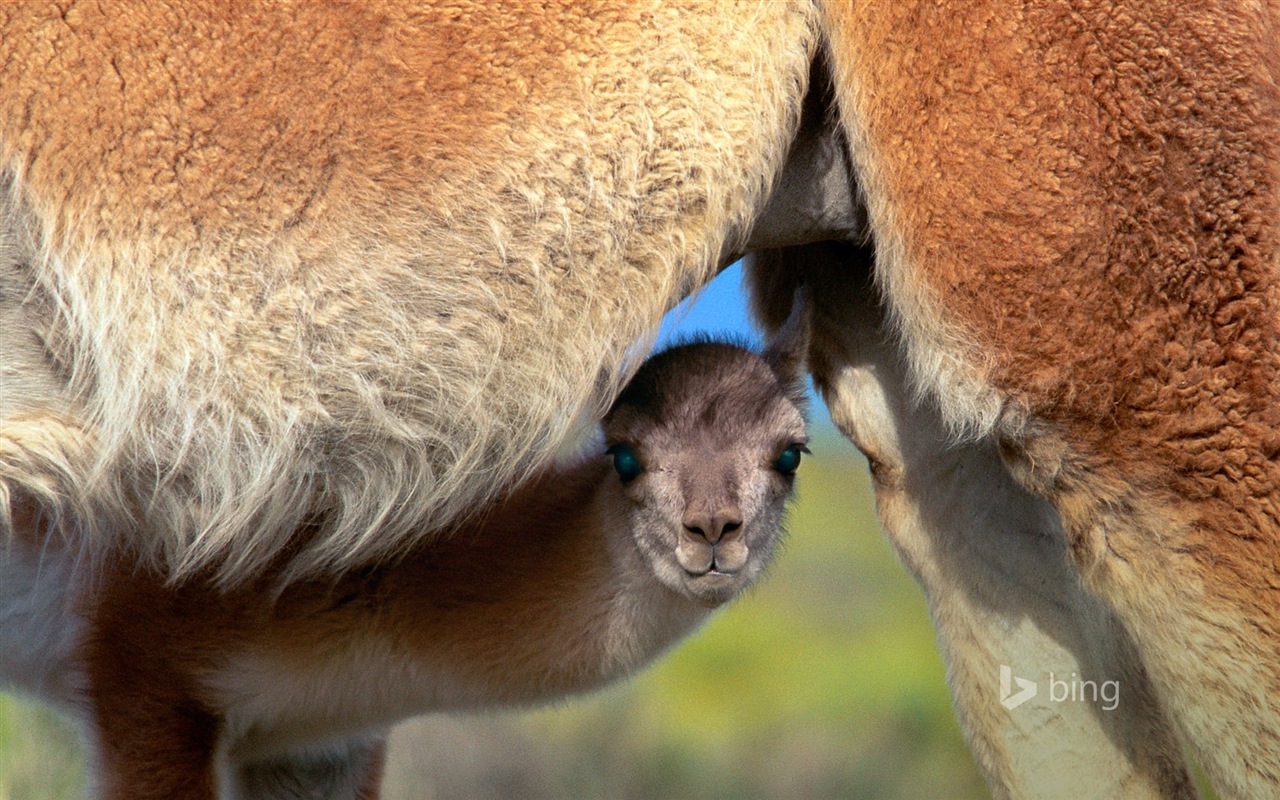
[(1094, 201), (1080, 201)]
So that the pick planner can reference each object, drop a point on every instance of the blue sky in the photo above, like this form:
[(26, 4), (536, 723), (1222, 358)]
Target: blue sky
[(721, 308)]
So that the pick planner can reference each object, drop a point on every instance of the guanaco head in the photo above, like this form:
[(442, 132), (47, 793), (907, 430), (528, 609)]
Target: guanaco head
[(705, 441)]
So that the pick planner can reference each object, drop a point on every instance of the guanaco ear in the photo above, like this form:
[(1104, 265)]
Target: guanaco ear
[(788, 346), (772, 278)]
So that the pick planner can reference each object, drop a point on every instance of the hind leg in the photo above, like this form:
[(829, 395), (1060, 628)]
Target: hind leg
[(1098, 288), (993, 562)]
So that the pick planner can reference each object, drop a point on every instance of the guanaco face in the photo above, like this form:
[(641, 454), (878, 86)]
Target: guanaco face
[(705, 441)]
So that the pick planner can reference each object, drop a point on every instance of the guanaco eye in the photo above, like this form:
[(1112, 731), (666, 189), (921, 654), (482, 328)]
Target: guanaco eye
[(789, 461), (626, 462)]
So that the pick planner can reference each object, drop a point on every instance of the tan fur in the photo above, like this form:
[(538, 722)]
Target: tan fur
[(580, 578), (352, 270), (989, 555), (362, 267), (1074, 208)]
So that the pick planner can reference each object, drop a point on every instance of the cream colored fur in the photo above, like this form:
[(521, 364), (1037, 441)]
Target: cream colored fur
[(356, 271), (1073, 208), (992, 561), (392, 335), (577, 581)]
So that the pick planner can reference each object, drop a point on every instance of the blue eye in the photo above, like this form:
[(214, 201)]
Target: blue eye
[(789, 461), (626, 462)]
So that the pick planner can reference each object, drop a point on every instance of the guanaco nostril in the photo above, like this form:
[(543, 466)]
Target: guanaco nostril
[(696, 525), (713, 527), (728, 524)]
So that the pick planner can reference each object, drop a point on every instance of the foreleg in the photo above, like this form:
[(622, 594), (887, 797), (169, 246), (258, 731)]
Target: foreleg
[(351, 770), (148, 749)]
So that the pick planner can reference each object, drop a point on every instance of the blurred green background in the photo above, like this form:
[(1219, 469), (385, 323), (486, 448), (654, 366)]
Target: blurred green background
[(823, 682)]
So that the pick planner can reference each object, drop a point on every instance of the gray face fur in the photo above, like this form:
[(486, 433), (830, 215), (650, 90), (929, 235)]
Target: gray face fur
[(708, 423)]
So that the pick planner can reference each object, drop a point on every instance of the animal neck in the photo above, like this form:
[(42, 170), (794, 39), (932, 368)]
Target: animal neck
[(546, 596)]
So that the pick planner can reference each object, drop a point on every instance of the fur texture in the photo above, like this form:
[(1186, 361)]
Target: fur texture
[(354, 269), (583, 577), (1075, 215), (359, 268), (990, 556)]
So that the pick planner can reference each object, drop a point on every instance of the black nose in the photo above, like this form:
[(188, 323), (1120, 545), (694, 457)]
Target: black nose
[(713, 526)]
